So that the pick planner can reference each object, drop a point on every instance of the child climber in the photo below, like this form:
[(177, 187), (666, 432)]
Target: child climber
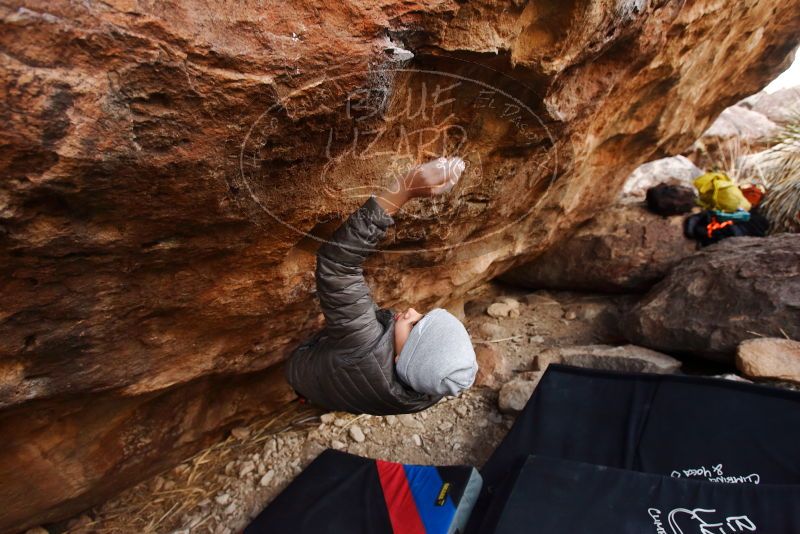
[(368, 359)]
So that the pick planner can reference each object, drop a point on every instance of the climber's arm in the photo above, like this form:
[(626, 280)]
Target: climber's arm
[(343, 293)]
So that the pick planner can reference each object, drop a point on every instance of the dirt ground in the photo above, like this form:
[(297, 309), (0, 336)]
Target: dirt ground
[(222, 488)]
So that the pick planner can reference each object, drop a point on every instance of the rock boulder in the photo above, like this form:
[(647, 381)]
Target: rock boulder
[(169, 169), (737, 289), (623, 249), (770, 358), (675, 170), (514, 394), (625, 359), (780, 106), (493, 365), (741, 124), (738, 131)]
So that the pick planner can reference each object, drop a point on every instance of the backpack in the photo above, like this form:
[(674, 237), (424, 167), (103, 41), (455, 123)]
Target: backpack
[(718, 192)]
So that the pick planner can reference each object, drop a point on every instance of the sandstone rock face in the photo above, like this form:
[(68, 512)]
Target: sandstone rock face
[(737, 289), (80, 448), (772, 358), (169, 169), (626, 359), (624, 249)]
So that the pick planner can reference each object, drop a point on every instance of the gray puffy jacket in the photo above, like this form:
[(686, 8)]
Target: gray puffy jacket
[(349, 365)]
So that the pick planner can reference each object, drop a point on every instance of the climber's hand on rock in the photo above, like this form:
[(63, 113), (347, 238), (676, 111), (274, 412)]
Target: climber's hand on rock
[(434, 177)]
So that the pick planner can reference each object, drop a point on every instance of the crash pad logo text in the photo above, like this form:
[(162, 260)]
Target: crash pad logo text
[(716, 474), (699, 521)]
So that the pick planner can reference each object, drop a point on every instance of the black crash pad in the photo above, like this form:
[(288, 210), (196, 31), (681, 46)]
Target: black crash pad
[(552, 496), (674, 425), (340, 492)]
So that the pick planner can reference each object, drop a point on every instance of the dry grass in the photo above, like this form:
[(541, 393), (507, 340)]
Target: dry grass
[(155, 506), (731, 157)]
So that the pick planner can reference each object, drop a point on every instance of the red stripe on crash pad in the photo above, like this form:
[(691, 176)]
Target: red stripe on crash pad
[(399, 500)]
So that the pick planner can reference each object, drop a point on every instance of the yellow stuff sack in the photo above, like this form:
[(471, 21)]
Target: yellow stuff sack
[(716, 191)]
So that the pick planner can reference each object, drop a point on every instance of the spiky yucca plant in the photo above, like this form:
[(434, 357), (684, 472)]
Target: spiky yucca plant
[(781, 204)]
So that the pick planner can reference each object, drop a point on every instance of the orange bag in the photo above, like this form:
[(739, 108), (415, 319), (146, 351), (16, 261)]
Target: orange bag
[(753, 194)]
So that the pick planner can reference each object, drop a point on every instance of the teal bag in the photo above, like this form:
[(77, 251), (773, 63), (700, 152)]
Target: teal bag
[(739, 215)]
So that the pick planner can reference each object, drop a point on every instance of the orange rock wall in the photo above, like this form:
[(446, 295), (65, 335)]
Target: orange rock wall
[(169, 167)]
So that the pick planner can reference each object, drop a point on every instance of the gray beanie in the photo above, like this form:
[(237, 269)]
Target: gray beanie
[(438, 358)]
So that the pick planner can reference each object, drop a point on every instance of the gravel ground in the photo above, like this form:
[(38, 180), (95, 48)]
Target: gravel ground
[(222, 488)]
